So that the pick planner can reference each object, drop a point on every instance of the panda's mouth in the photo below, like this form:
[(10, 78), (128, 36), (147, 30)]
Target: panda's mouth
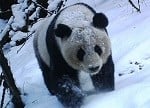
[(94, 69), (93, 73)]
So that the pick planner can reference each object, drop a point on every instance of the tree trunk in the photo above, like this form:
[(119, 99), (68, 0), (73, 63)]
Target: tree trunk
[(8, 76)]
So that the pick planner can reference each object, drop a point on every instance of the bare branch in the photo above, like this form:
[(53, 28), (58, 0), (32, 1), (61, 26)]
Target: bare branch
[(3, 97), (133, 5), (139, 5), (8, 76), (42, 7), (25, 39)]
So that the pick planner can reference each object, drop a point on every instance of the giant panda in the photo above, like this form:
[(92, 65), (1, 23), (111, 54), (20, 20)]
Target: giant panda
[(74, 53)]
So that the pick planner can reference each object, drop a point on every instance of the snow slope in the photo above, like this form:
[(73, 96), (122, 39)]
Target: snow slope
[(130, 37)]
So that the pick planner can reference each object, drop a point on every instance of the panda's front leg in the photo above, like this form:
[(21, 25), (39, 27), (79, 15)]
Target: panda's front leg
[(69, 93), (104, 80)]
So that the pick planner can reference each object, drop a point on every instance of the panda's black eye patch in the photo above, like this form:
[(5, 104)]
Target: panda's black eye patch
[(63, 30), (98, 50), (80, 54)]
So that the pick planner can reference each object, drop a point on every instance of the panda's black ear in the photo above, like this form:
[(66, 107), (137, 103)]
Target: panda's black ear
[(62, 31), (100, 20)]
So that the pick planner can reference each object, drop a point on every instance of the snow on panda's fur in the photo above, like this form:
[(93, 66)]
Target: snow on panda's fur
[(74, 52)]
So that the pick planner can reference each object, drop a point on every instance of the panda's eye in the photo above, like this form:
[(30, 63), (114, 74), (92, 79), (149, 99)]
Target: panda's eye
[(98, 50), (80, 54)]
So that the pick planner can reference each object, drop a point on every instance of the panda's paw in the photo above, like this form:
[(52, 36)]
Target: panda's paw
[(71, 101), (69, 94)]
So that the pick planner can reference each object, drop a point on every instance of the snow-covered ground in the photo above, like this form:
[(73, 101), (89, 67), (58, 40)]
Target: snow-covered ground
[(129, 32)]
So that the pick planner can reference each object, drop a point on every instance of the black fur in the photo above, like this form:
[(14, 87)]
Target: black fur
[(104, 80), (98, 50), (61, 73), (62, 80), (100, 20), (80, 54), (63, 31)]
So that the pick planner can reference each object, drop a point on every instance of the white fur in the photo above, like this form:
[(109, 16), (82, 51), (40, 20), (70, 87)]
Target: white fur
[(86, 81), (75, 16), (40, 39), (85, 38), (84, 35)]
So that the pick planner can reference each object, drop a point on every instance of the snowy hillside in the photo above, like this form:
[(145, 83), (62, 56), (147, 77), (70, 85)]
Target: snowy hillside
[(129, 32)]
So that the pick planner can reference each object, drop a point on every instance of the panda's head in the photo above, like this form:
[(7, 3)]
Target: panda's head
[(85, 47)]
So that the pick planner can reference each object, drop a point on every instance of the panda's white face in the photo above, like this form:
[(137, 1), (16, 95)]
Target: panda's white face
[(86, 48)]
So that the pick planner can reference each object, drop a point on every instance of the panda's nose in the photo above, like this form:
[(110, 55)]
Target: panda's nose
[(94, 69)]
